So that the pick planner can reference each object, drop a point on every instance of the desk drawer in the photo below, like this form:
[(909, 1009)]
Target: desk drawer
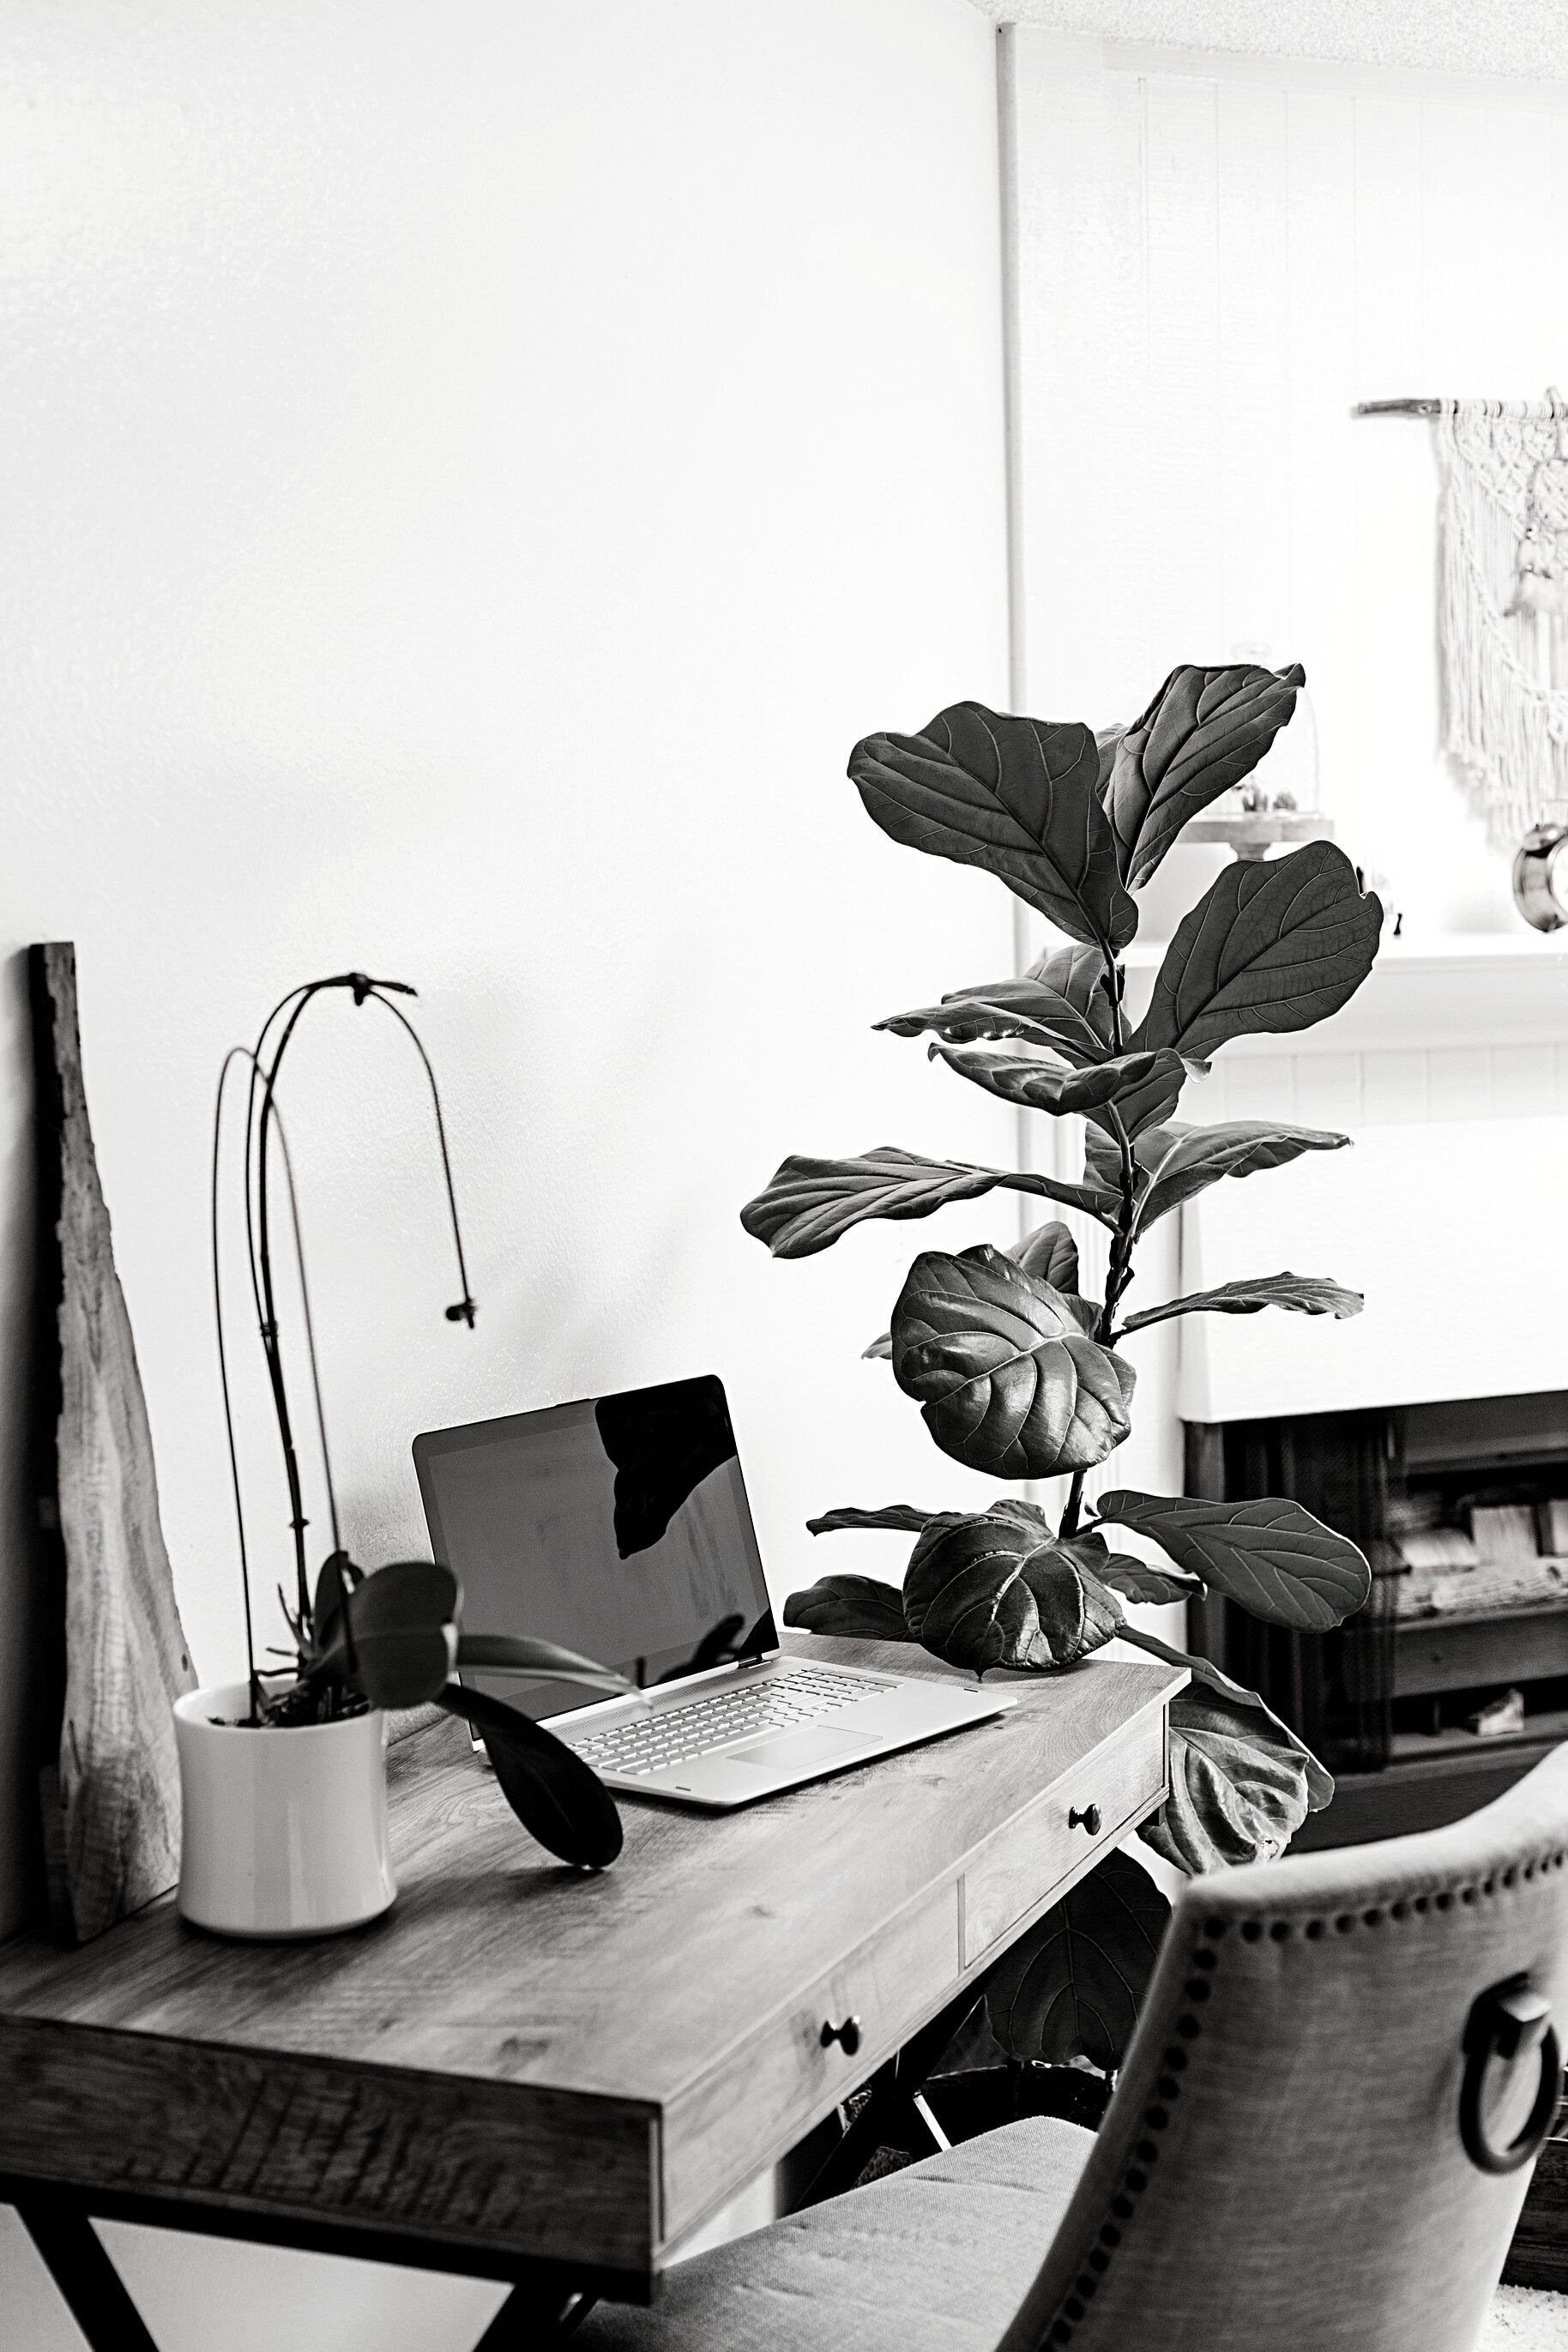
[(763, 2094), (1038, 1849)]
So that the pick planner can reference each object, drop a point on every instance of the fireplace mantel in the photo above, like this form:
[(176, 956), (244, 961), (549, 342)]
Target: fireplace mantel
[(1468, 989), (1449, 1071)]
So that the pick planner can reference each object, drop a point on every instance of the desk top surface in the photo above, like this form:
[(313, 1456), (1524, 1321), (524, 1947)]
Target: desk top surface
[(499, 1963)]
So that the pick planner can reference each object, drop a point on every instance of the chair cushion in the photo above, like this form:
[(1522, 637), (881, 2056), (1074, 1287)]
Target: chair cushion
[(935, 2258)]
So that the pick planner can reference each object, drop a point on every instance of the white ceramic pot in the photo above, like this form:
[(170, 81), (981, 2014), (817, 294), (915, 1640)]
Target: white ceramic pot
[(284, 1831)]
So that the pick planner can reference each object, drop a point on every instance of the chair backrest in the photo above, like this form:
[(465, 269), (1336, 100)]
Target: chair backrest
[(1282, 2169)]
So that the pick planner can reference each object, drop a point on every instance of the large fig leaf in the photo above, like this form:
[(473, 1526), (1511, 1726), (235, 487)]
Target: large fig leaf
[(811, 1203), (1239, 1793), (1275, 946), (1271, 1556), (1241, 1781), (1176, 1162), (1153, 1082), (996, 1589), (1122, 1572), (1016, 796), (1148, 1101), (1306, 1294), (862, 1606), (1319, 1783), (1006, 1376), (1072, 1985), (1203, 733), (1049, 1254), (1142, 1581), (1060, 1002), (554, 1795), (906, 1517)]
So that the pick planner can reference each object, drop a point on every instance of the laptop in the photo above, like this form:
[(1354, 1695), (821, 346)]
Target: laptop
[(619, 1527)]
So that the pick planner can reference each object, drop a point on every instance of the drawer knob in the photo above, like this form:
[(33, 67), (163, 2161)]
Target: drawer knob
[(847, 2035), (1089, 1819)]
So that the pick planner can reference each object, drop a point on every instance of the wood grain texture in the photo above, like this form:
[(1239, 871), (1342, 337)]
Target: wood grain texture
[(503, 1982), (463, 2162), (125, 1655), (762, 2095)]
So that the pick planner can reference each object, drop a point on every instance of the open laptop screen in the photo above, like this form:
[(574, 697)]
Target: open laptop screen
[(618, 1527)]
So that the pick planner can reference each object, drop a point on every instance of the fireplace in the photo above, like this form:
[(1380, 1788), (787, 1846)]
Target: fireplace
[(1454, 1679), (1433, 1428)]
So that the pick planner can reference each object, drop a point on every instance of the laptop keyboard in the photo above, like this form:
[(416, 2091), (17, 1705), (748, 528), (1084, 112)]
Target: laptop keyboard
[(676, 1735)]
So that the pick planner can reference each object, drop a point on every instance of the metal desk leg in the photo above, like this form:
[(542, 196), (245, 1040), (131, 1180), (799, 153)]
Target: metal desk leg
[(527, 2320), (57, 2224)]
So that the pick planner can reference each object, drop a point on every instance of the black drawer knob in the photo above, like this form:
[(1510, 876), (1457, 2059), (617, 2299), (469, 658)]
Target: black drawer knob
[(847, 2035), (1089, 1819)]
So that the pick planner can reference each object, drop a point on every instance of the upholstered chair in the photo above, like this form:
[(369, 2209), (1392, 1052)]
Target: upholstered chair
[(1320, 2143)]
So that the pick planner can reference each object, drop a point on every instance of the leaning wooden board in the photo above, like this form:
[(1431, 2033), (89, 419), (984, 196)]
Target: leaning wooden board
[(115, 1651), (519, 2064)]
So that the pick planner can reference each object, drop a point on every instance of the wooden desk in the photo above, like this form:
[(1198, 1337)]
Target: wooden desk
[(523, 2073)]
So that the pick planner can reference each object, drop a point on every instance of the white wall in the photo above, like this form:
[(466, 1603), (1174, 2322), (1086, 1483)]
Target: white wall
[(1220, 255), (471, 472)]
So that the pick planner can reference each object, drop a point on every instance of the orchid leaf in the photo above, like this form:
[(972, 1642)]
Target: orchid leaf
[(558, 1798), (1272, 946), (514, 1653), (1304, 1294), (810, 1203), (862, 1606), (393, 1635), (1007, 1379), (1273, 1558), (1018, 797), (1203, 731), (333, 1582), (996, 1589), (1072, 1985)]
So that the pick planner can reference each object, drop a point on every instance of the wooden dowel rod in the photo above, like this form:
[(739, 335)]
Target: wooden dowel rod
[(1546, 410)]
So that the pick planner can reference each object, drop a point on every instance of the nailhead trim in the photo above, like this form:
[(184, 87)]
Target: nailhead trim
[(1157, 2116), (1175, 2059)]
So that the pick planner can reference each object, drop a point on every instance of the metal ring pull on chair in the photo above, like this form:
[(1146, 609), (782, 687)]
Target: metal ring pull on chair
[(1507, 2021)]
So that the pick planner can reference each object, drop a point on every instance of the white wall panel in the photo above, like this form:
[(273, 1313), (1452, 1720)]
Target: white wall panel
[(470, 473), (1292, 238)]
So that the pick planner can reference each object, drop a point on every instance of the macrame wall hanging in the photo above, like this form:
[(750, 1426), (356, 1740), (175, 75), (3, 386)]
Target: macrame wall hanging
[(1503, 609)]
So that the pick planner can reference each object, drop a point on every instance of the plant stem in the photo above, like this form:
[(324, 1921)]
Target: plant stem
[(1118, 1273)]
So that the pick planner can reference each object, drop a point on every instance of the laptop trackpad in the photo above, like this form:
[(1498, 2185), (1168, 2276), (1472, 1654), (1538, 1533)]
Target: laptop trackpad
[(797, 1752)]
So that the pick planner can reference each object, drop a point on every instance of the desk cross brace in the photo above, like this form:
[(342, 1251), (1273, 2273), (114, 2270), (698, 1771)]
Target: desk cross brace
[(546, 2305)]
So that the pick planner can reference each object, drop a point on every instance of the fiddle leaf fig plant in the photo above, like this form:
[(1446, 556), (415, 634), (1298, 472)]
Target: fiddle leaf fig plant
[(1016, 1371)]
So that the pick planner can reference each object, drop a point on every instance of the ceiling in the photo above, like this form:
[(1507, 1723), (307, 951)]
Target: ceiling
[(1523, 38)]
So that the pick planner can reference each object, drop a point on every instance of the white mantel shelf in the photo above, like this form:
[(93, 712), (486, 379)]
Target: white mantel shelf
[(1468, 988)]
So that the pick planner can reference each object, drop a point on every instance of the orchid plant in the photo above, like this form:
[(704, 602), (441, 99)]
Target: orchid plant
[(391, 1637), (1016, 1371)]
